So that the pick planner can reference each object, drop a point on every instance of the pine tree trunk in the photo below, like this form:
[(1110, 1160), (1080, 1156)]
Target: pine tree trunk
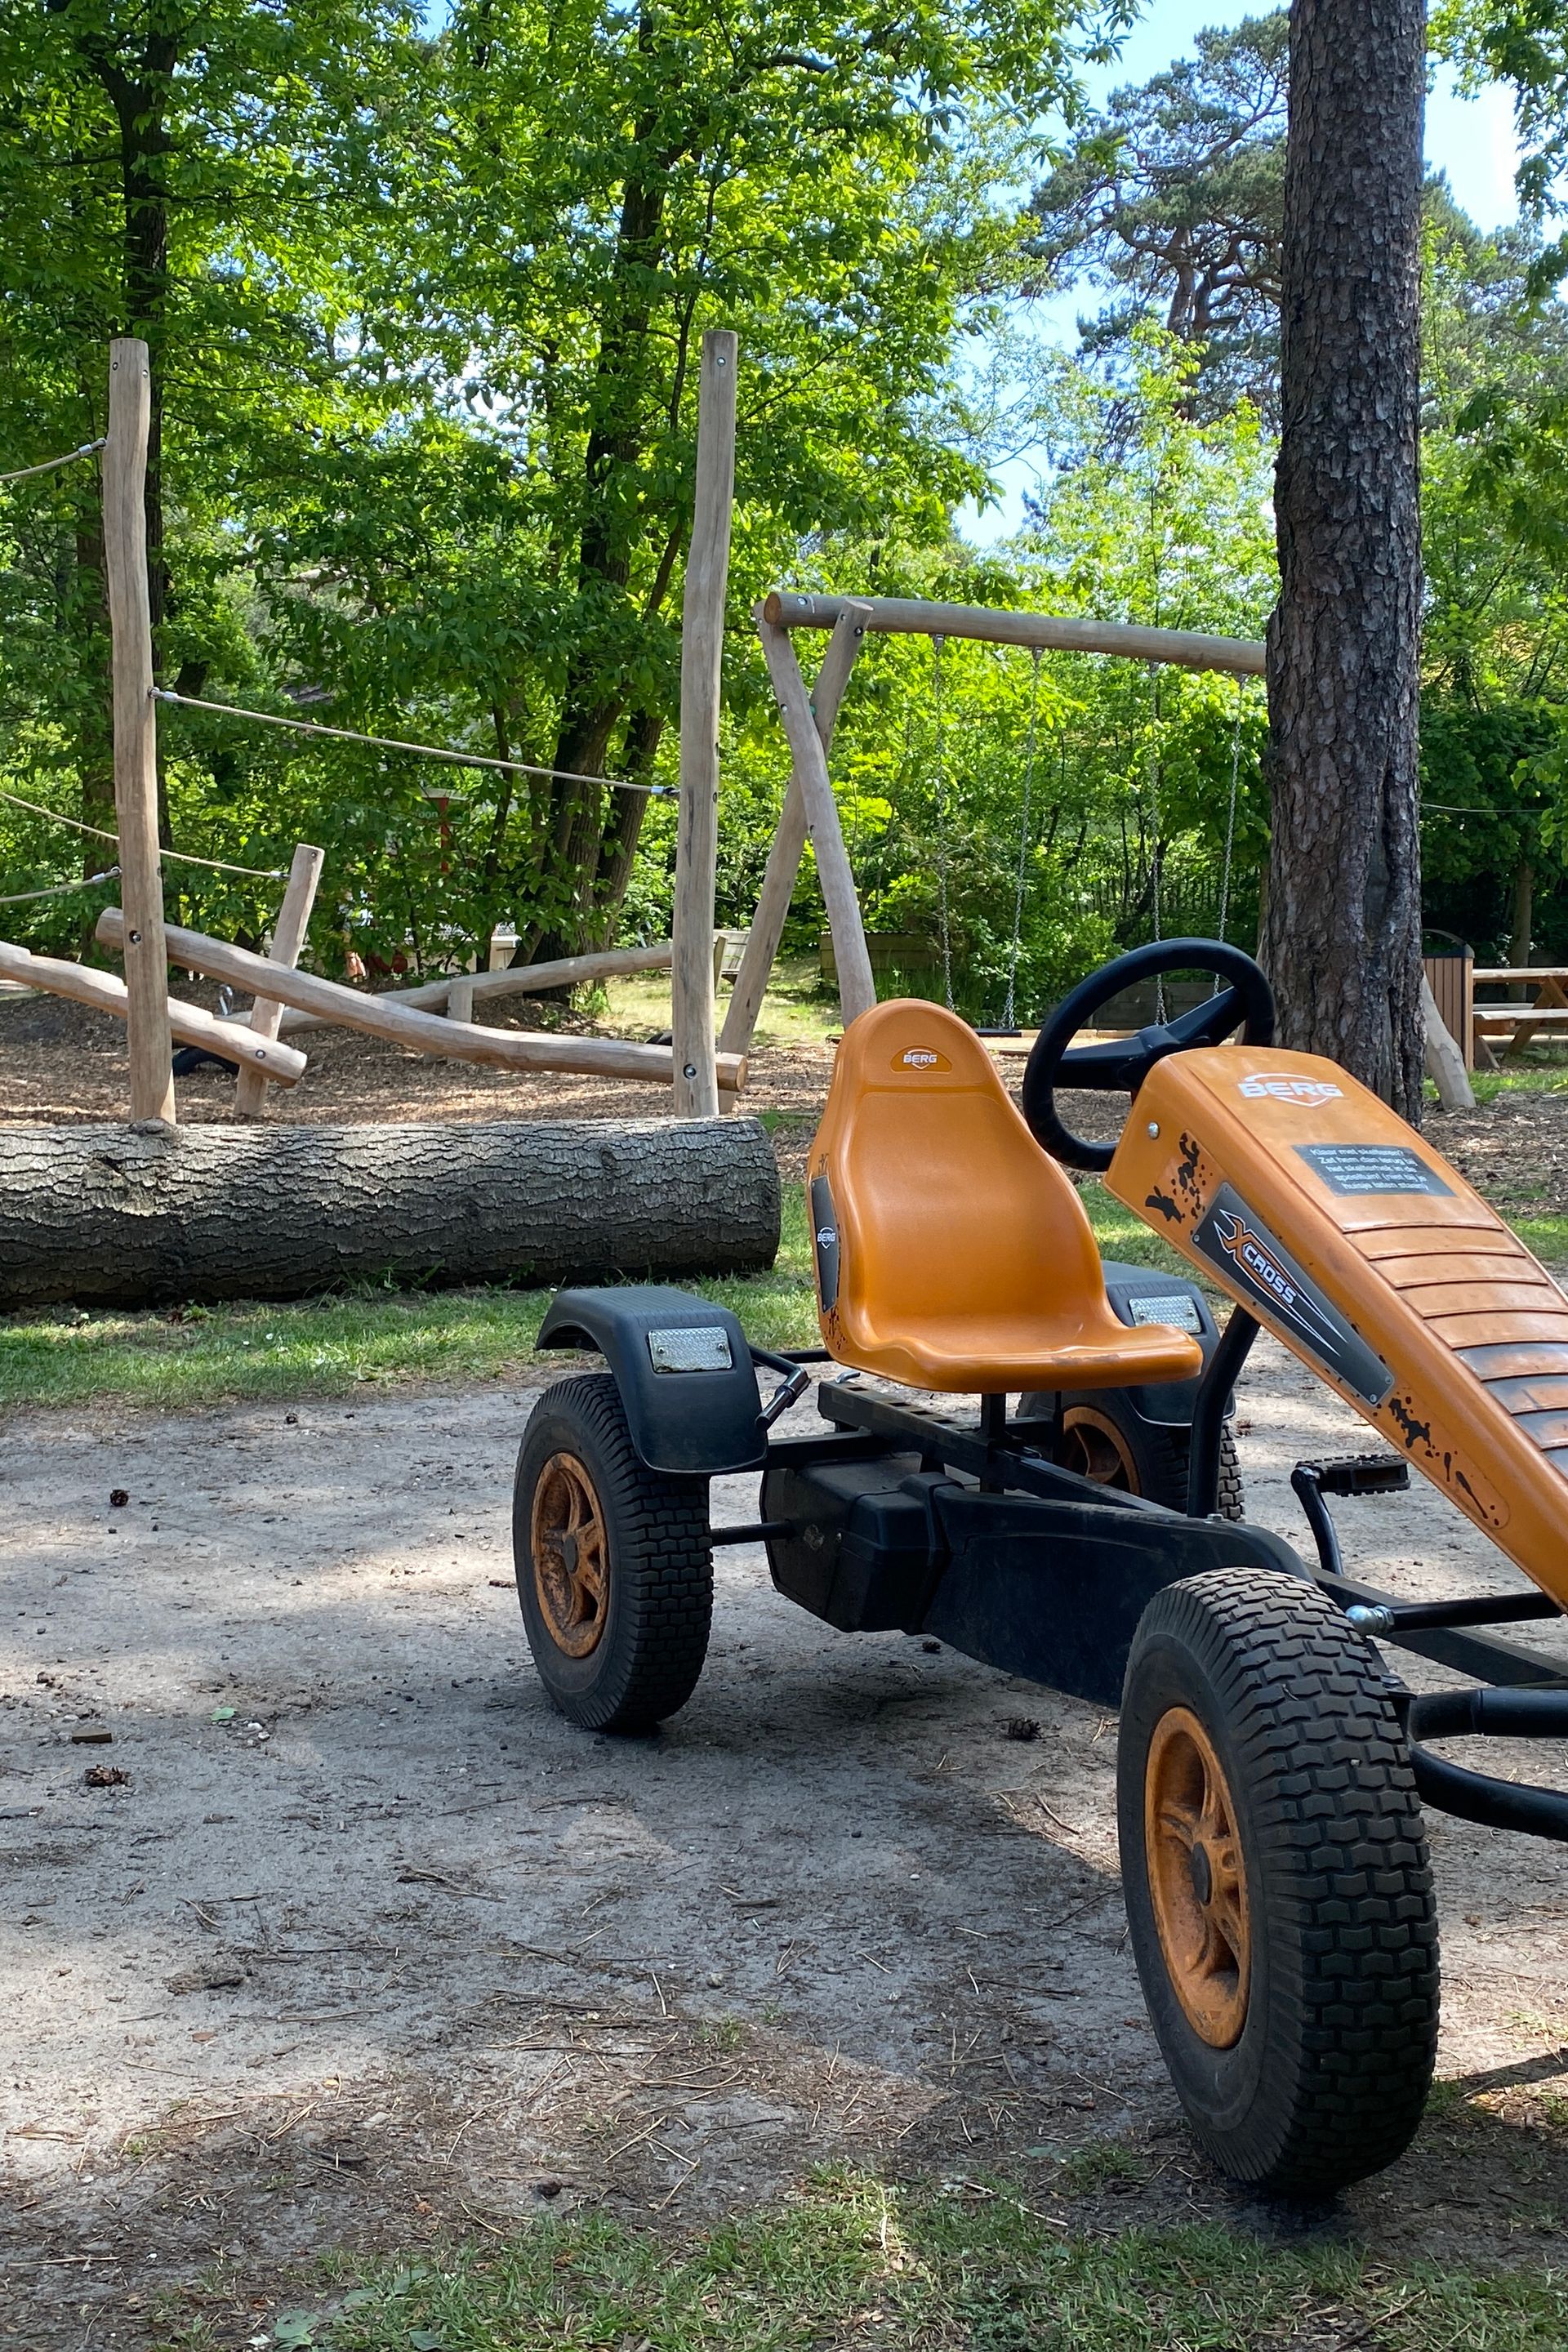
[(145, 1215), (1342, 936)]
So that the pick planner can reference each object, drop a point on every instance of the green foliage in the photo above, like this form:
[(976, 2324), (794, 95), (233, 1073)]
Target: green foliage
[(424, 311), (1524, 42), (1495, 530), (426, 299), (1150, 518)]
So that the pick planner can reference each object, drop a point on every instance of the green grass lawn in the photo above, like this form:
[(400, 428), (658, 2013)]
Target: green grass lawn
[(975, 2266)]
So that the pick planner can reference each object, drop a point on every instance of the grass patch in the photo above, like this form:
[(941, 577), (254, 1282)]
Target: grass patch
[(855, 2263), (799, 1008), (1525, 1077), (1547, 1236)]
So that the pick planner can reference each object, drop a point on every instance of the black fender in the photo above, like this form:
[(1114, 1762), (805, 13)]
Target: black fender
[(688, 1383)]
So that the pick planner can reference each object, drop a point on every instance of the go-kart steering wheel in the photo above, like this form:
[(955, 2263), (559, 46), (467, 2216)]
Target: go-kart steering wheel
[(1120, 1065)]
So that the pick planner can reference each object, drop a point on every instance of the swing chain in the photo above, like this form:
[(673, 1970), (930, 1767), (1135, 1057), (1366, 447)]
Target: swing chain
[(938, 788), (1154, 826), (1230, 816), (1009, 1010)]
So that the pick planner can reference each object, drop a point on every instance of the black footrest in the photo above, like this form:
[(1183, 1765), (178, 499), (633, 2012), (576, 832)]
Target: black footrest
[(1360, 1474)]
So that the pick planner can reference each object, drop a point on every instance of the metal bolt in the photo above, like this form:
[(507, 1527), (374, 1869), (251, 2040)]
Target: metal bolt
[(1154, 1126), (688, 1070), (134, 938)]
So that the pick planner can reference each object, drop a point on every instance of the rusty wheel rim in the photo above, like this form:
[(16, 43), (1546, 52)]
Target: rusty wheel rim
[(1197, 1879), (569, 1545), (1095, 1449)]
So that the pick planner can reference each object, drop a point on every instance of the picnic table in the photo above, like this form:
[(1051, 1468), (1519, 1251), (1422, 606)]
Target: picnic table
[(1518, 1023)]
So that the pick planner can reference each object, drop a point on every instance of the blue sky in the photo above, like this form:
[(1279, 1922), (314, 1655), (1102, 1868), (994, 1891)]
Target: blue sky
[(1469, 138)]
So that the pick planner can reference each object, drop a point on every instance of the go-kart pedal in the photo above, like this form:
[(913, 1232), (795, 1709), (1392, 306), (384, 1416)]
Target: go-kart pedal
[(1358, 1474)]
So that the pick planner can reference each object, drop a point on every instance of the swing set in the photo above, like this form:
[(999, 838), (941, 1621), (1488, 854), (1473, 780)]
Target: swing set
[(810, 811)]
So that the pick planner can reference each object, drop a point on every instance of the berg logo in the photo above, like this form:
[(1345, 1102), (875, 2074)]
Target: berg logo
[(1281, 1087), (920, 1057)]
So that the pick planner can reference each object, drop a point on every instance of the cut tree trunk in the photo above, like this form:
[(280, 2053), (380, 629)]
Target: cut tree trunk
[(149, 1215), (1342, 936)]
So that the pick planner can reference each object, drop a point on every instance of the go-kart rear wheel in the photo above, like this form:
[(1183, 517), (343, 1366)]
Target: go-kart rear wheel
[(615, 1571), (1274, 1867), (1103, 1438)]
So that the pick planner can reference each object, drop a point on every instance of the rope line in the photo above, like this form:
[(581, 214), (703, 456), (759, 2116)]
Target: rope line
[(397, 743), (61, 889), (180, 856), (1154, 826), (25, 473)]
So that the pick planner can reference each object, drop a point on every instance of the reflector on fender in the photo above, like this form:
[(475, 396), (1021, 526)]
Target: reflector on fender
[(702, 1350)]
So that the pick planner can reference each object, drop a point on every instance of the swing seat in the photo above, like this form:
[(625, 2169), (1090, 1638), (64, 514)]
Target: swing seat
[(951, 1253)]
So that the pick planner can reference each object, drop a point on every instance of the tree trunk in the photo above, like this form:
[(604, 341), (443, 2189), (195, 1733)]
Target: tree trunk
[(1342, 936), (94, 725), (142, 1216), (1523, 922), (139, 94)]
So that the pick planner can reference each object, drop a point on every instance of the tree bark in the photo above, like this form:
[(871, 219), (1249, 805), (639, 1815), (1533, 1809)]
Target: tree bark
[(1342, 935), (146, 1215), (1523, 922)]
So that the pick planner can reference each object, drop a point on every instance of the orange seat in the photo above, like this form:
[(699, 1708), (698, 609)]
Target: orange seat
[(952, 1252)]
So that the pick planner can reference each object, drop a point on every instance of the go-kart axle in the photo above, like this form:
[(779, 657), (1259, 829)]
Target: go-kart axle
[(1394, 1617)]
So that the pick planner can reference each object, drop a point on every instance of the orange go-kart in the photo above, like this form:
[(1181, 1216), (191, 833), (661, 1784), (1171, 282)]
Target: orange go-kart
[(1271, 1769)]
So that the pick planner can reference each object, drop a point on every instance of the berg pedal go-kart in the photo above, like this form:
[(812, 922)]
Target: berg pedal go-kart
[(1270, 1769)]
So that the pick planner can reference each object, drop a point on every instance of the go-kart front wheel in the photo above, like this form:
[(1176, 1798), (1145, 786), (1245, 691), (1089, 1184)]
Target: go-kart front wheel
[(614, 1570), (1274, 1866)]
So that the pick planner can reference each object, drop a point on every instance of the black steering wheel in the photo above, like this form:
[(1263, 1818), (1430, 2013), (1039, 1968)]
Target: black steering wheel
[(1120, 1065)]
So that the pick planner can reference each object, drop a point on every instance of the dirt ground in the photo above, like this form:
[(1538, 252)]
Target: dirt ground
[(368, 1943), (60, 1063)]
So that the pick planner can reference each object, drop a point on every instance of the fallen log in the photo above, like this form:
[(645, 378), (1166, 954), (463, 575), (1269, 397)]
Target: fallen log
[(282, 1064), (148, 1215), (423, 1032), (513, 980)]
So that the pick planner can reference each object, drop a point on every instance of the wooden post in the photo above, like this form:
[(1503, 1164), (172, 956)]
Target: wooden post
[(1445, 1063), (382, 1017), (702, 651), (460, 998), (106, 993), (785, 851), (857, 988), (513, 980), (135, 730), (288, 941)]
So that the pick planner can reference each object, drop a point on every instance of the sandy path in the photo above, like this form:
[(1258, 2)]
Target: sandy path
[(391, 1944)]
